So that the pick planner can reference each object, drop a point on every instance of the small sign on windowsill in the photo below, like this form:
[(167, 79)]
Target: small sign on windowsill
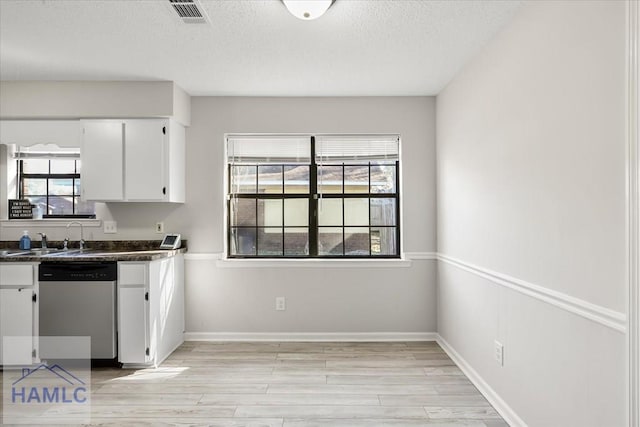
[(20, 209)]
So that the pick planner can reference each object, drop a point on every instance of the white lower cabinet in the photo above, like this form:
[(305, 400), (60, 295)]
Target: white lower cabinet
[(18, 313), (150, 310), (133, 337)]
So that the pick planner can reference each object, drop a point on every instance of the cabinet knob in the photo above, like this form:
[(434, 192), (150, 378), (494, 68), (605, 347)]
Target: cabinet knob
[(164, 190), (164, 130)]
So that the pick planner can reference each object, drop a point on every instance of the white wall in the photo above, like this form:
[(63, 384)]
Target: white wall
[(531, 212), (318, 299)]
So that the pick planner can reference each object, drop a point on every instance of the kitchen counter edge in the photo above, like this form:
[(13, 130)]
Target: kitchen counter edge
[(98, 256)]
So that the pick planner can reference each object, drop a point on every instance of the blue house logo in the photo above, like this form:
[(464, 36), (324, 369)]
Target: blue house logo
[(68, 388)]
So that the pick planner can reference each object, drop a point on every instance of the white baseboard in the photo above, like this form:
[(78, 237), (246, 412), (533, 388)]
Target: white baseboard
[(490, 394), (311, 336)]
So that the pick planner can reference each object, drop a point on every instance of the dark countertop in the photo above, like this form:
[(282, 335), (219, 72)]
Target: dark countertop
[(121, 250)]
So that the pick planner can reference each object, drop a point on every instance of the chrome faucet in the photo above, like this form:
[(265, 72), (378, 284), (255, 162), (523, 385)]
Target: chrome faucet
[(44, 240), (81, 233)]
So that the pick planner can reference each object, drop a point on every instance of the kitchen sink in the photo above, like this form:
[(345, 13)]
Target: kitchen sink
[(66, 252), (45, 251), (40, 252)]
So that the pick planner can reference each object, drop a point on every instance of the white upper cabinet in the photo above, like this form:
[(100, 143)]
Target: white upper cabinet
[(144, 165), (137, 160), (101, 154)]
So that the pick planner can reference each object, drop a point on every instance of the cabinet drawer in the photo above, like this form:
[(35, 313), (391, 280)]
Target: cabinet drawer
[(16, 274), (132, 273)]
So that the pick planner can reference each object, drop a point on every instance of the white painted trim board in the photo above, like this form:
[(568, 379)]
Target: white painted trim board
[(602, 315), (311, 336)]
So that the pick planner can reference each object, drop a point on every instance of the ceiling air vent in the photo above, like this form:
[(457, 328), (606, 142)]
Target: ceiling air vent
[(190, 11)]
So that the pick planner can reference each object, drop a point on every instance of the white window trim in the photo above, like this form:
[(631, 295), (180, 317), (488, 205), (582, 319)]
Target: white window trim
[(312, 263), (221, 262)]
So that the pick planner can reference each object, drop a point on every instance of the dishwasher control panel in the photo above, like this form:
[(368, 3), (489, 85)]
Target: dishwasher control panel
[(78, 272)]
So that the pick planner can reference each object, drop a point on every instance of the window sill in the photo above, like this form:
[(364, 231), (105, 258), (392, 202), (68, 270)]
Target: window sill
[(313, 263), (50, 222)]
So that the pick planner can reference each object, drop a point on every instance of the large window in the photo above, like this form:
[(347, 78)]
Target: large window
[(54, 186), (319, 196)]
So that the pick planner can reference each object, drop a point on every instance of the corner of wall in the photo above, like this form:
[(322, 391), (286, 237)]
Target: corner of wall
[(633, 210)]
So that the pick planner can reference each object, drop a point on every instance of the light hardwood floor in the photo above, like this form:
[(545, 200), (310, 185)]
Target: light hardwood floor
[(290, 384)]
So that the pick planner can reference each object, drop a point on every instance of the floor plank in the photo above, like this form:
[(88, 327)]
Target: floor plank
[(289, 399), (433, 400), (379, 422), (398, 379), (166, 422), (331, 411), (462, 412), (376, 389), (180, 388)]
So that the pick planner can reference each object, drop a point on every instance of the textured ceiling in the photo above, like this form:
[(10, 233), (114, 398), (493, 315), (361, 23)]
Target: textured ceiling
[(251, 47)]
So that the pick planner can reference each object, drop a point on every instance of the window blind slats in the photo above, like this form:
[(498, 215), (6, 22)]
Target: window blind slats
[(356, 149), (49, 151), (269, 149), (46, 156)]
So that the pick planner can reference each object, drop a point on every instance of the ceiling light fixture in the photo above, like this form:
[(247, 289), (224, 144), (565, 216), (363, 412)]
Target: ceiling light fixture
[(307, 9)]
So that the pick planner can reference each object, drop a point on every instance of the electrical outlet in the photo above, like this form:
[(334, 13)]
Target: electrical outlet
[(281, 304), (159, 227), (499, 353), (110, 227)]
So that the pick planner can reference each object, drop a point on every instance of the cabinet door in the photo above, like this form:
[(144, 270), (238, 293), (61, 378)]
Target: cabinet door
[(16, 324), (145, 155), (102, 161), (133, 327)]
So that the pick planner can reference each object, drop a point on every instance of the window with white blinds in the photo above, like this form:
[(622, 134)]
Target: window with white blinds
[(356, 149), (316, 196), (254, 149)]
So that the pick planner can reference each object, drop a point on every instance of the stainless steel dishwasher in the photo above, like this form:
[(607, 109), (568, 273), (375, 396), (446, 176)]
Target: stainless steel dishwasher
[(79, 299)]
